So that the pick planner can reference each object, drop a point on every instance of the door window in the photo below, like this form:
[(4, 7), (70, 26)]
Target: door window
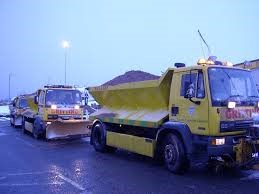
[(41, 98), (196, 82)]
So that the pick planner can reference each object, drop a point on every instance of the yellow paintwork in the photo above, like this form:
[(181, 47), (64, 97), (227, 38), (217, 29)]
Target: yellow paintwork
[(131, 143), (131, 96), (195, 116), (32, 105), (140, 103)]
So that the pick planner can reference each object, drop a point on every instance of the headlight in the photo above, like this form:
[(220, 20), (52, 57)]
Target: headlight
[(77, 107), (53, 106), (218, 141), (231, 104)]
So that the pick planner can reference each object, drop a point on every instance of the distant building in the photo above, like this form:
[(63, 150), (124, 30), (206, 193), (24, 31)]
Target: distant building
[(253, 66)]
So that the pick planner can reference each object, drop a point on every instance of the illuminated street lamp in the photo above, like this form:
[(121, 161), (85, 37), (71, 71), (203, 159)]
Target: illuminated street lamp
[(65, 45)]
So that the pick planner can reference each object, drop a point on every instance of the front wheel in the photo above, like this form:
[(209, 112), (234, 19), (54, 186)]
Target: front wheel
[(174, 154), (37, 129), (23, 125), (35, 133)]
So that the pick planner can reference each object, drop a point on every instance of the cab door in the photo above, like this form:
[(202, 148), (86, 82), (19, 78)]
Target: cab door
[(189, 100)]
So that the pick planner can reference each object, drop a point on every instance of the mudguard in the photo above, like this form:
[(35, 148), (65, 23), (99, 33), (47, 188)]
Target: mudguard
[(180, 128)]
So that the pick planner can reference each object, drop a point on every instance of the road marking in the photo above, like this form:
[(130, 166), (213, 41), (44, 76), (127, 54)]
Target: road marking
[(2, 134), (71, 182), (30, 184), (28, 173), (25, 142)]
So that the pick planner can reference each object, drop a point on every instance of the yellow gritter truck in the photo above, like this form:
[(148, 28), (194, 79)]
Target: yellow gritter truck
[(56, 111), (202, 113), (18, 105)]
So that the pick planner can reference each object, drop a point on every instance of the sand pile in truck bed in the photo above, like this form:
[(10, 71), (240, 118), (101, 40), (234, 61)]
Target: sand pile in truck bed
[(131, 76)]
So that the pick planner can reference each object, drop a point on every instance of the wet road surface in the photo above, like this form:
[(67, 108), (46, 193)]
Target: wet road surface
[(72, 166)]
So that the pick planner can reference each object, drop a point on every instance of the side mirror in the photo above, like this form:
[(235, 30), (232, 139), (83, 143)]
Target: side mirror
[(190, 93), (36, 99), (86, 97)]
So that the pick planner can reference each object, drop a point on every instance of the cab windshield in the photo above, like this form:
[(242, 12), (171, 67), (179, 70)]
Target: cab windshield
[(63, 97), (232, 85), (23, 103)]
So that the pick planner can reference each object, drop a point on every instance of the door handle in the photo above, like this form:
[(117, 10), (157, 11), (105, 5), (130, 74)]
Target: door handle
[(174, 110)]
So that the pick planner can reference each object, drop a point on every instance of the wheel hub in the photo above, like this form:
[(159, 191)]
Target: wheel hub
[(170, 153)]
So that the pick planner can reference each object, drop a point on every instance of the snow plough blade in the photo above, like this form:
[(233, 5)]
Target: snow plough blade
[(63, 129)]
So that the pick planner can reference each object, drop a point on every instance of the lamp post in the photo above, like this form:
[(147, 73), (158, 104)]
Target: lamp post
[(65, 45), (9, 86)]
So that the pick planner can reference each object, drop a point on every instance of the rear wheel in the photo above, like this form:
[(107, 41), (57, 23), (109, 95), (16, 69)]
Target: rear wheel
[(11, 120), (15, 126), (99, 139), (174, 154), (23, 125)]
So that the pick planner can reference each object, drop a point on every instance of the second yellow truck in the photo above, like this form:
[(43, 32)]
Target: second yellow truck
[(56, 111)]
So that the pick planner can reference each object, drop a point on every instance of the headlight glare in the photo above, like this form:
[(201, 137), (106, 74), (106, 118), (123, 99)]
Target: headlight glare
[(218, 141), (231, 104)]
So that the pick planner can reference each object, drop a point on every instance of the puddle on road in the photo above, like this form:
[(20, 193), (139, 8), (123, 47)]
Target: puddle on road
[(250, 175), (43, 178), (2, 133)]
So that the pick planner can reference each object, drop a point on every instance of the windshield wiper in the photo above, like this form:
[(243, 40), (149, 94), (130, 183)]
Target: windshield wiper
[(225, 102), (235, 96), (253, 96), (229, 77)]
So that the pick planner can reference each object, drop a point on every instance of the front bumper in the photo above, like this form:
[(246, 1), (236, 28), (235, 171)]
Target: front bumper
[(67, 128), (238, 149)]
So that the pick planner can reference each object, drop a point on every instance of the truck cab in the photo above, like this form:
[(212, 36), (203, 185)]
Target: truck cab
[(219, 112)]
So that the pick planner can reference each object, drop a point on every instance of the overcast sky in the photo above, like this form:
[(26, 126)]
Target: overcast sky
[(111, 37)]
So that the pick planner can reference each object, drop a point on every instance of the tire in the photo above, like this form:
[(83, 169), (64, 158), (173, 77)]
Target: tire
[(174, 154), (11, 121), (35, 131), (99, 139), (23, 126), (110, 149), (15, 126)]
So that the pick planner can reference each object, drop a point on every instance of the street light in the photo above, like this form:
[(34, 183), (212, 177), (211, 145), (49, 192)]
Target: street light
[(9, 86), (65, 45)]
